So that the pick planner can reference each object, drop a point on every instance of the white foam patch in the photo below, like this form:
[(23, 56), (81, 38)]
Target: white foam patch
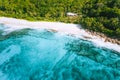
[(8, 53), (75, 29)]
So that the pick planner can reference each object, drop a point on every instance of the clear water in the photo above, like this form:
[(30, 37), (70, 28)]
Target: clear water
[(30, 54)]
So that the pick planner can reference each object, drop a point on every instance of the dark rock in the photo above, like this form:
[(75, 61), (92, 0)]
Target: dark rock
[(52, 30), (87, 37), (113, 40)]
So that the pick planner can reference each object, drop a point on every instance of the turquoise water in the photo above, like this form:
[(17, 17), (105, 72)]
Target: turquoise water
[(30, 54)]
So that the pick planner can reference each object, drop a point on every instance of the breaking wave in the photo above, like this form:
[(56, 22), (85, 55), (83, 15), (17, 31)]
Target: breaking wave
[(40, 54)]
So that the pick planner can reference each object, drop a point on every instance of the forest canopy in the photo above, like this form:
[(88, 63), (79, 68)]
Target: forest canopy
[(102, 16), (39, 9)]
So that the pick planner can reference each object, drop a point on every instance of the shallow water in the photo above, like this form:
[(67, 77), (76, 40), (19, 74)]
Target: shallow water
[(30, 54)]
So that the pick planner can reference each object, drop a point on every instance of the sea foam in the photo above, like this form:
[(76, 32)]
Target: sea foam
[(71, 29)]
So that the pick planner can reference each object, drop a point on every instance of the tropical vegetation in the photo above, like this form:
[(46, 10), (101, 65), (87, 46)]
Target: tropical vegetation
[(95, 15)]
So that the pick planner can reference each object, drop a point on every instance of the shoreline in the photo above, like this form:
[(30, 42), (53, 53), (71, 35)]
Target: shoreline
[(66, 28), (107, 39)]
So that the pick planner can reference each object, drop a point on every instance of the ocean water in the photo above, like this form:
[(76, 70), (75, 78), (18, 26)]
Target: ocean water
[(40, 54)]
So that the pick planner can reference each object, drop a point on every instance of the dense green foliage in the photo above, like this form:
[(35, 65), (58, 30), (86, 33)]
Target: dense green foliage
[(102, 16), (40, 9), (97, 15)]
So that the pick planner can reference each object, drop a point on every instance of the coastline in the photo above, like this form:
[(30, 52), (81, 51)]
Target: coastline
[(72, 29), (107, 39)]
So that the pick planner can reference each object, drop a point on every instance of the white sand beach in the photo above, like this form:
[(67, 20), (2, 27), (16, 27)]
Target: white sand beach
[(72, 29)]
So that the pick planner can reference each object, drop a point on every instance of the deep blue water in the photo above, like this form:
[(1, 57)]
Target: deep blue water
[(30, 54)]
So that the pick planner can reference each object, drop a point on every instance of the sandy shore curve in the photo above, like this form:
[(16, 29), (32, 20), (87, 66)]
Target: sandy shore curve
[(72, 29)]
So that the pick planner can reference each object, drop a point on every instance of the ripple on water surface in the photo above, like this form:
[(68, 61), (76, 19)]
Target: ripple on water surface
[(43, 55)]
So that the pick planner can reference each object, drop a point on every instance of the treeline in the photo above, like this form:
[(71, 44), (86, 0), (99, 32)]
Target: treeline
[(40, 9), (96, 15), (102, 16)]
